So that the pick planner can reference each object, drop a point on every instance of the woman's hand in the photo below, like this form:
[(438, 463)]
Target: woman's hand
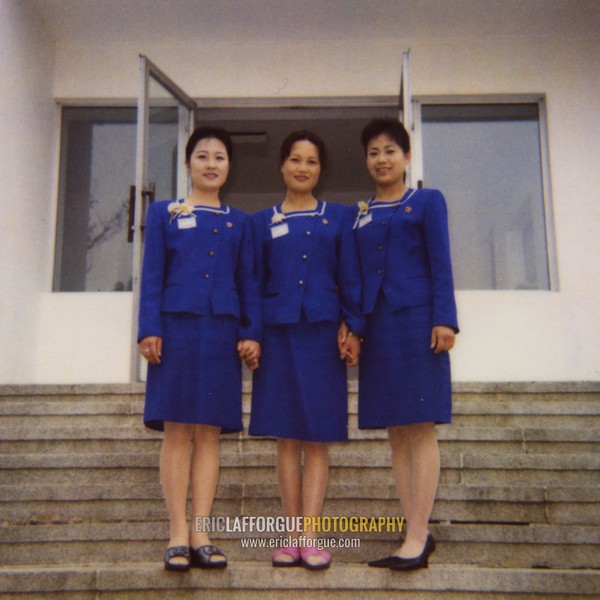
[(348, 345), (342, 337), (442, 339), (249, 351), (151, 349), (351, 350)]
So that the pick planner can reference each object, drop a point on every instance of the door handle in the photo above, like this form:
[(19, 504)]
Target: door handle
[(148, 196), (131, 218)]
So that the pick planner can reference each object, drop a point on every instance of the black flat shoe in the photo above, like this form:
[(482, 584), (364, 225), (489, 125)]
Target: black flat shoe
[(201, 557), (177, 552), (396, 563), (408, 564), (381, 562), (387, 561)]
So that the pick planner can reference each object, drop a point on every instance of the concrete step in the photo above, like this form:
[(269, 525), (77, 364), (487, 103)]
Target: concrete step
[(340, 456), (462, 417), (480, 410), (259, 467), (251, 579), (531, 391), (455, 502), (494, 545), (374, 443), (517, 500), (525, 439)]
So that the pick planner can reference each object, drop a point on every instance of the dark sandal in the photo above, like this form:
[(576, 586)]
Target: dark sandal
[(177, 552), (201, 557)]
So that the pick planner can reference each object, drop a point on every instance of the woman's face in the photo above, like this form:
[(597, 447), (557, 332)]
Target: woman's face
[(386, 161), (301, 169), (209, 165)]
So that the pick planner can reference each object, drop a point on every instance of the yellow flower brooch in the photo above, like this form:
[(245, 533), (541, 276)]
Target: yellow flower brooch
[(277, 218), (179, 209)]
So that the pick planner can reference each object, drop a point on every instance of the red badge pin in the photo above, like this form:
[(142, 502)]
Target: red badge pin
[(408, 209), (325, 221), (229, 224)]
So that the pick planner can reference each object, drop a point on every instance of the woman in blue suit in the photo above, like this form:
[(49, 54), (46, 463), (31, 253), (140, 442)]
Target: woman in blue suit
[(408, 300), (199, 308), (310, 281)]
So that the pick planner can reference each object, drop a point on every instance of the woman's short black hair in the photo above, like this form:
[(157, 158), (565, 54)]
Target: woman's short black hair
[(207, 131), (299, 136), (390, 127)]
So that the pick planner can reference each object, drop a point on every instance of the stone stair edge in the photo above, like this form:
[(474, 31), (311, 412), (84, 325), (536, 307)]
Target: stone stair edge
[(338, 458), (484, 387), (117, 406), (336, 491), (447, 432), (540, 533), (260, 576)]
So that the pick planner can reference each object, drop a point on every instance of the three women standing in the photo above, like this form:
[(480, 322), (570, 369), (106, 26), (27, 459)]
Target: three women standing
[(207, 270), (310, 281), (408, 300), (199, 309)]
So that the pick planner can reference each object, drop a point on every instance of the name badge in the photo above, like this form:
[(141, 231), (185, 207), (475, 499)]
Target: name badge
[(365, 220), (186, 223), (280, 230)]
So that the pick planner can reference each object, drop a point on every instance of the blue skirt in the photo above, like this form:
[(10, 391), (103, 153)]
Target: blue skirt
[(401, 381), (300, 390), (199, 380)]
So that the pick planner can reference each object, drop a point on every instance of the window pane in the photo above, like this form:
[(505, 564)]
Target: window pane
[(486, 159), (97, 169)]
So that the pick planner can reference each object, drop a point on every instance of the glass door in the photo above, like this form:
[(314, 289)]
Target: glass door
[(165, 119)]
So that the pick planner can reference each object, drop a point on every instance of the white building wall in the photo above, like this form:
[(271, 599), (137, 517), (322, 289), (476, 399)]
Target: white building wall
[(28, 182), (506, 335)]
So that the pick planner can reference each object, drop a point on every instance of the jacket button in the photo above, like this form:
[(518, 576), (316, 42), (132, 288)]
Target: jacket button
[(304, 257), (211, 253), (206, 275), (301, 282), (215, 231), (380, 272), (308, 233), (380, 247)]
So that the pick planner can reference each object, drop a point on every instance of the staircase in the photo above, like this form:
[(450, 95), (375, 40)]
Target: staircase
[(517, 514)]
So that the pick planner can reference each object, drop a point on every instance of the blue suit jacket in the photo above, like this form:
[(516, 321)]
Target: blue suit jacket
[(406, 256), (203, 269), (309, 269)]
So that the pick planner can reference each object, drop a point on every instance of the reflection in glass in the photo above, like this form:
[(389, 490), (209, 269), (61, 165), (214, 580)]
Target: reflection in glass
[(486, 159), (97, 169)]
